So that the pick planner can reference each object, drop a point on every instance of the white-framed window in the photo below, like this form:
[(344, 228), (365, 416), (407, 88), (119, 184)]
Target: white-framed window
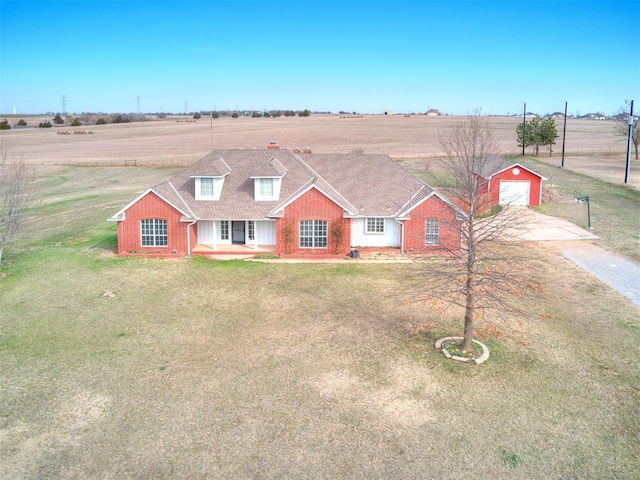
[(266, 187), (251, 230), (224, 229), (206, 187), (153, 232), (313, 234), (374, 225), (432, 233)]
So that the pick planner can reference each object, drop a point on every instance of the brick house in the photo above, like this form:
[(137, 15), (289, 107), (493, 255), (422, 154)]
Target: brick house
[(275, 200)]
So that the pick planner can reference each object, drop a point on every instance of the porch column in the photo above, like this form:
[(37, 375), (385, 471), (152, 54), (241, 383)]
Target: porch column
[(255, 234)]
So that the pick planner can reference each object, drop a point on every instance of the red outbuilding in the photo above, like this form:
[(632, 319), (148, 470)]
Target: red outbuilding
[(511, 183)]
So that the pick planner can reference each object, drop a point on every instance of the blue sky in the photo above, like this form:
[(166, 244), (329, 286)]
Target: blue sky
[(365, 56)]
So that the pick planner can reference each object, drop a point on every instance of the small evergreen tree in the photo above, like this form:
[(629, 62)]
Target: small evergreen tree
[(22, 123), (76, 122), (4, 125), (101, 121), (548, 133), (537, 132), (58, 120)]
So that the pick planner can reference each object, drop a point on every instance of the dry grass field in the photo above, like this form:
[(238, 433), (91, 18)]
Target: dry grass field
[(160, 369), (177, 141)]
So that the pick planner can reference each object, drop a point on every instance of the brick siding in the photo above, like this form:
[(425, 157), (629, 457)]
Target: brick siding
[(415, 228), (148, 207), (313, 205)]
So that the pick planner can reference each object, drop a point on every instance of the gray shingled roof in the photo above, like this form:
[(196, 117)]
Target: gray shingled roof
[(364, 185), (214, 167), (374, 184), (494, 164), (270, 168)]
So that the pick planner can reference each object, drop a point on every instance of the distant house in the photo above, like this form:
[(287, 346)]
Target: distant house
[(510, 183), (595, 116), (277, 201), (432, 113)]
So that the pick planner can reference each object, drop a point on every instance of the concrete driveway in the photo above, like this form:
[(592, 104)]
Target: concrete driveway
[(619, 273), (538, 227)]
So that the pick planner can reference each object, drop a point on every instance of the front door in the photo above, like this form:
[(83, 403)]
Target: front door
[(237, 233)]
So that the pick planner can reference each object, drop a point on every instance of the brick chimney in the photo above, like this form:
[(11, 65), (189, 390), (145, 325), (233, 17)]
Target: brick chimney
[(273, 145)]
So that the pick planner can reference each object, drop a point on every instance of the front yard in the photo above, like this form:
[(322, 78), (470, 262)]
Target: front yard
[(190, 368)]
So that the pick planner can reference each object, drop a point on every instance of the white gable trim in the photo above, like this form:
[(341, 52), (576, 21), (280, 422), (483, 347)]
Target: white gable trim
[(120, 216), (404, 214), (278, 211), (513, 166), (193, 215)]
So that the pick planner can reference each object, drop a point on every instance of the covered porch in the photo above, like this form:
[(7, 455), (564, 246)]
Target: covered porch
[(232, 249)]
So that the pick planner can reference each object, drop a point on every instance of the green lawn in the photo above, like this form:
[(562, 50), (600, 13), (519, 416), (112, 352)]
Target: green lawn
[(135, 368), (614, 209)]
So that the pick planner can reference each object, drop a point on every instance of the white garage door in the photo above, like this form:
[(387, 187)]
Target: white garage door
[(514, 192)]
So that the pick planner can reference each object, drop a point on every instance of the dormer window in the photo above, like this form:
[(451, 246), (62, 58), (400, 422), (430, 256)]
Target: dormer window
[(209, 179), (267, 180), (208, 188), (267, 189)]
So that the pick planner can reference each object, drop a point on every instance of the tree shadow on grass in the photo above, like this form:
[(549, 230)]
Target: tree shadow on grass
[(107, 244)]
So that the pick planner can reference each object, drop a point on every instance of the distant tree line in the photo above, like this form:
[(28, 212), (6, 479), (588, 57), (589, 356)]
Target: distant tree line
[(89, 119), (253, 113)]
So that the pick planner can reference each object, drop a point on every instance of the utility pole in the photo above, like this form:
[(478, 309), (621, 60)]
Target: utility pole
[(64, 105), (185, 107), (630, 122), (524, 126), (138, 101), (564, 131)]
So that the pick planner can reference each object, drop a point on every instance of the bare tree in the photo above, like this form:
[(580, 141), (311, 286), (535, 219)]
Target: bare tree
[(622, 127), (482, 274), (18, 193)]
